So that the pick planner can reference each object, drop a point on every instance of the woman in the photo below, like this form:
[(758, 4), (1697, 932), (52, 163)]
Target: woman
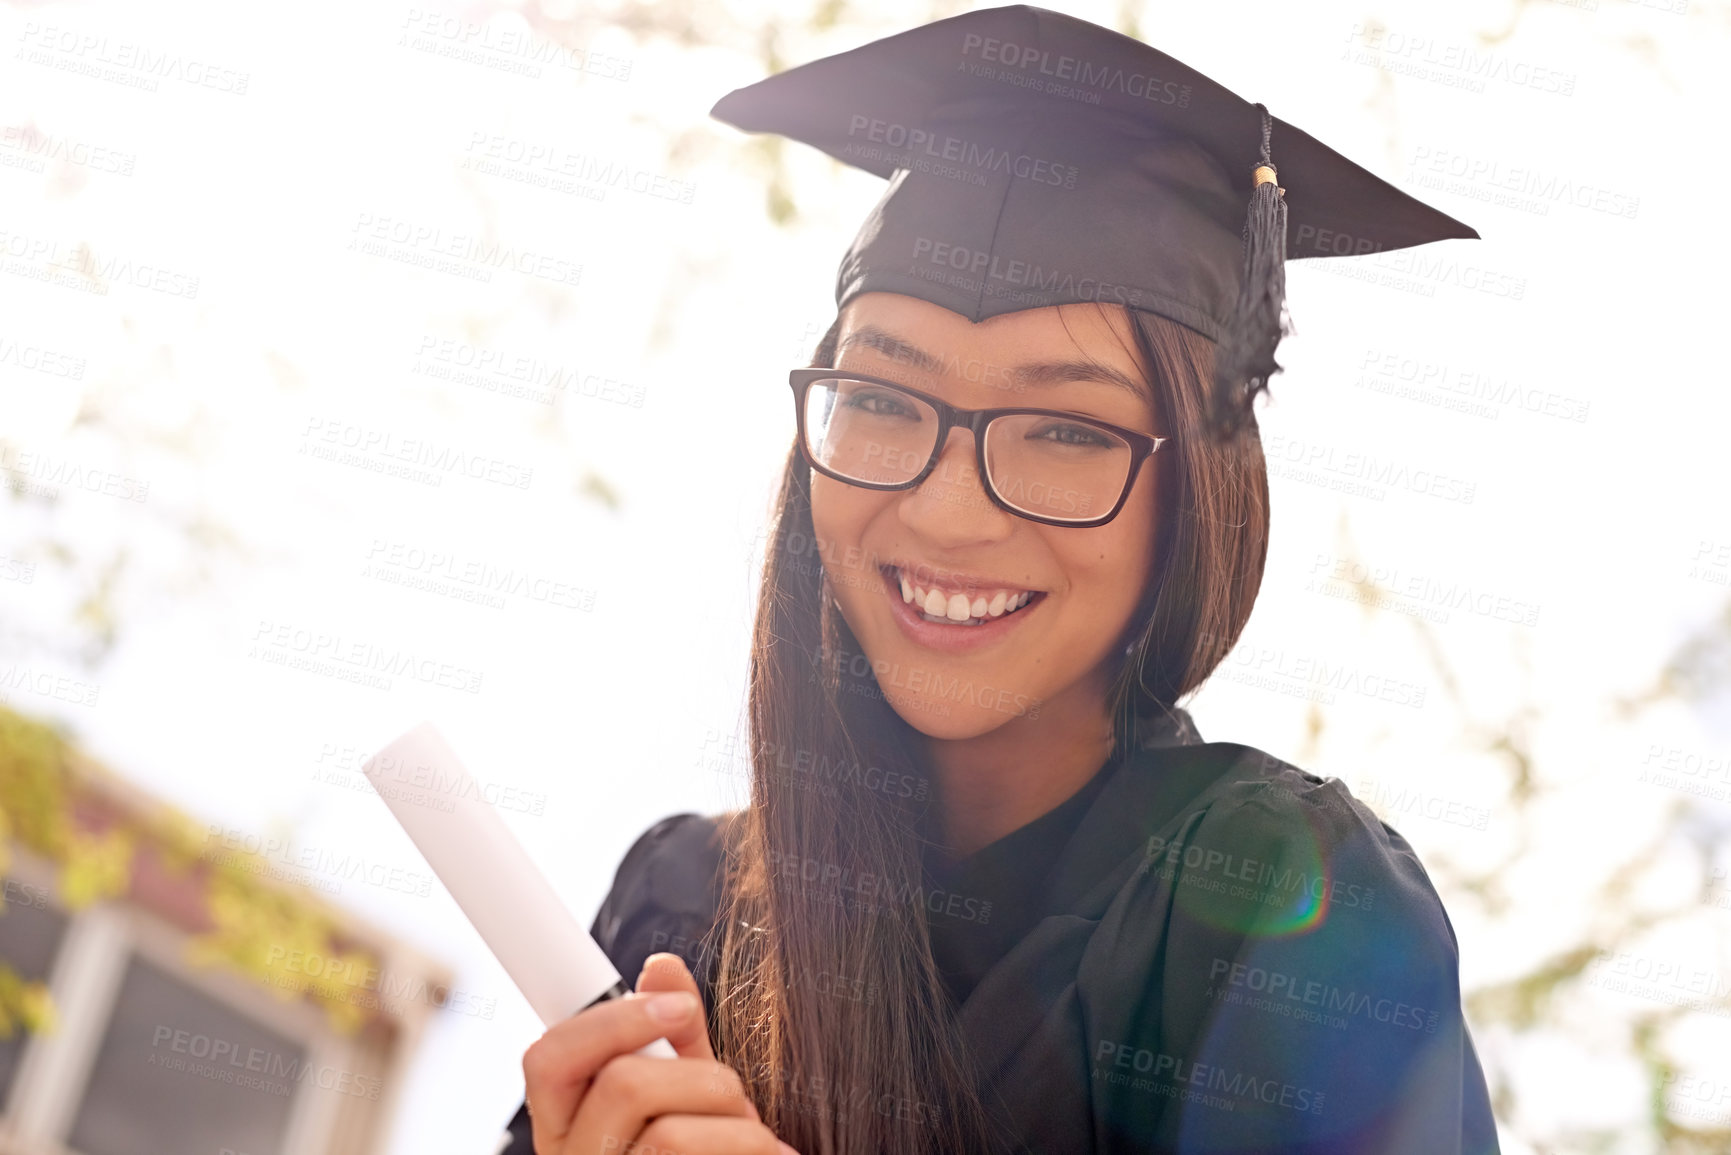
[(993, 891)]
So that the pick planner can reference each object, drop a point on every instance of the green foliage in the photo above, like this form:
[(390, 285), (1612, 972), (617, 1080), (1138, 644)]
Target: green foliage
[(1544, 999), (23, 1004), (258, 929)]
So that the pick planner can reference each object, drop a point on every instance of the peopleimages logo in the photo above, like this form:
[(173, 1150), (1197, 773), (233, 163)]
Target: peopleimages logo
[(870, 892), (907, 144), (1279, 988), (1069, 76), (935, 684), (1219, 870), (253, 1067), (1009, 276), (1174, 1076)]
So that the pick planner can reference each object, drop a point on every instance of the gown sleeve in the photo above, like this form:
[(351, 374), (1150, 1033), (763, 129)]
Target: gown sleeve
[(1307, 995), (663, 898)]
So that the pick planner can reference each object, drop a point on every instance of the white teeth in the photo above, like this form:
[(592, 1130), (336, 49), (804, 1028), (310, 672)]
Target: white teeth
[(955, 607)]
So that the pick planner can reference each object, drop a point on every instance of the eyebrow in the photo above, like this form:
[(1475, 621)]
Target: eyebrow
[(1030, 373)]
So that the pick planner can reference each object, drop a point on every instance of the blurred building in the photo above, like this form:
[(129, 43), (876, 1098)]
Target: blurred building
[(203, 1001)]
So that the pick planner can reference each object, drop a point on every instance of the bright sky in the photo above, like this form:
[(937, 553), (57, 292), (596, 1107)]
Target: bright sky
[(302, 168)]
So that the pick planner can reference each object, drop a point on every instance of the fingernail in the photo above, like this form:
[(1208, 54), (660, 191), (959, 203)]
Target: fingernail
[(673, 1007)]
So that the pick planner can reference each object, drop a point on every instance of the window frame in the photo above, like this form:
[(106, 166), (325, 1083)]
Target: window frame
[(101, 940)]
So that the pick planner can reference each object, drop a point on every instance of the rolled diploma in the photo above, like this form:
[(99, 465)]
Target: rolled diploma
[(551, 958)]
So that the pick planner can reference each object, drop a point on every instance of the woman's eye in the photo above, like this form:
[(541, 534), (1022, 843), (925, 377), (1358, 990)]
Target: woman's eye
[(882, 404), (1067, 433)]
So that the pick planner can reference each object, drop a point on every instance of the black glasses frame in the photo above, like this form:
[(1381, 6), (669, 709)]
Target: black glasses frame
[(1142, 446)]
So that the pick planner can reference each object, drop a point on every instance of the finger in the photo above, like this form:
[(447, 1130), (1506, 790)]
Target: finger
[(667, 972), (711, 1134), (559, 1066), (630, 1091)]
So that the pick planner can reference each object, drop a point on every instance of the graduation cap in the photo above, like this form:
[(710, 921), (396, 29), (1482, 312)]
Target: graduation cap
[(1037, 159)]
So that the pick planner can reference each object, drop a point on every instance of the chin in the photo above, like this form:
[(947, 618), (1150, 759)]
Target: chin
[(965, 710), (945, 696)]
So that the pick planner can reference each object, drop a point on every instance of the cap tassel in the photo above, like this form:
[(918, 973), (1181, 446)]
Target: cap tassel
[(1246, 358)]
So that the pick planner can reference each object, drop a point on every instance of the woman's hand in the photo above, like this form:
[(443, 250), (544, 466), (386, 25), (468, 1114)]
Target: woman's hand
[(589, 1094)]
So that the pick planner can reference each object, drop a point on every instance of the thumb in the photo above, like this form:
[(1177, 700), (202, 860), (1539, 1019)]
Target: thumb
[(663, 973)]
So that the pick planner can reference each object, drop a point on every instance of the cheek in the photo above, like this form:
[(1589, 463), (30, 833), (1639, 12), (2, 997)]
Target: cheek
[(1139, 523), (840, 516), (836, 515), (1108, 577), (1114, 564)]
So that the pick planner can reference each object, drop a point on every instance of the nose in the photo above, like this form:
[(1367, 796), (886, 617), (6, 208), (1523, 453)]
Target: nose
[(950, 507)]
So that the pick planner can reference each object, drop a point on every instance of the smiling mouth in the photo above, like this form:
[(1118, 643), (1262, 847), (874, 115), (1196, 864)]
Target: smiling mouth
[(957, 606)]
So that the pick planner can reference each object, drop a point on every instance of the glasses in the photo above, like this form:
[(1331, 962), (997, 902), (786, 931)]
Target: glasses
[(1045, 465)]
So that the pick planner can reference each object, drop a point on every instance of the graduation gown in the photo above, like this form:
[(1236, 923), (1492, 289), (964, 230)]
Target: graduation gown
[(1204, 950)]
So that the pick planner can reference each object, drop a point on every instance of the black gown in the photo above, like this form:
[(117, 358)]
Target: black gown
[(1203, 950)]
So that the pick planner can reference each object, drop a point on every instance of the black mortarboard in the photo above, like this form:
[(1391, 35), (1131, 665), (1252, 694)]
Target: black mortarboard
[(1037, 159)]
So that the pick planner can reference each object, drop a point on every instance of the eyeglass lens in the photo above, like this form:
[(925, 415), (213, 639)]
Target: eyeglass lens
[(1046, 465)]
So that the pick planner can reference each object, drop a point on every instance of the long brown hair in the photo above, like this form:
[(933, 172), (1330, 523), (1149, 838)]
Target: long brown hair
[(828, 1000)]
